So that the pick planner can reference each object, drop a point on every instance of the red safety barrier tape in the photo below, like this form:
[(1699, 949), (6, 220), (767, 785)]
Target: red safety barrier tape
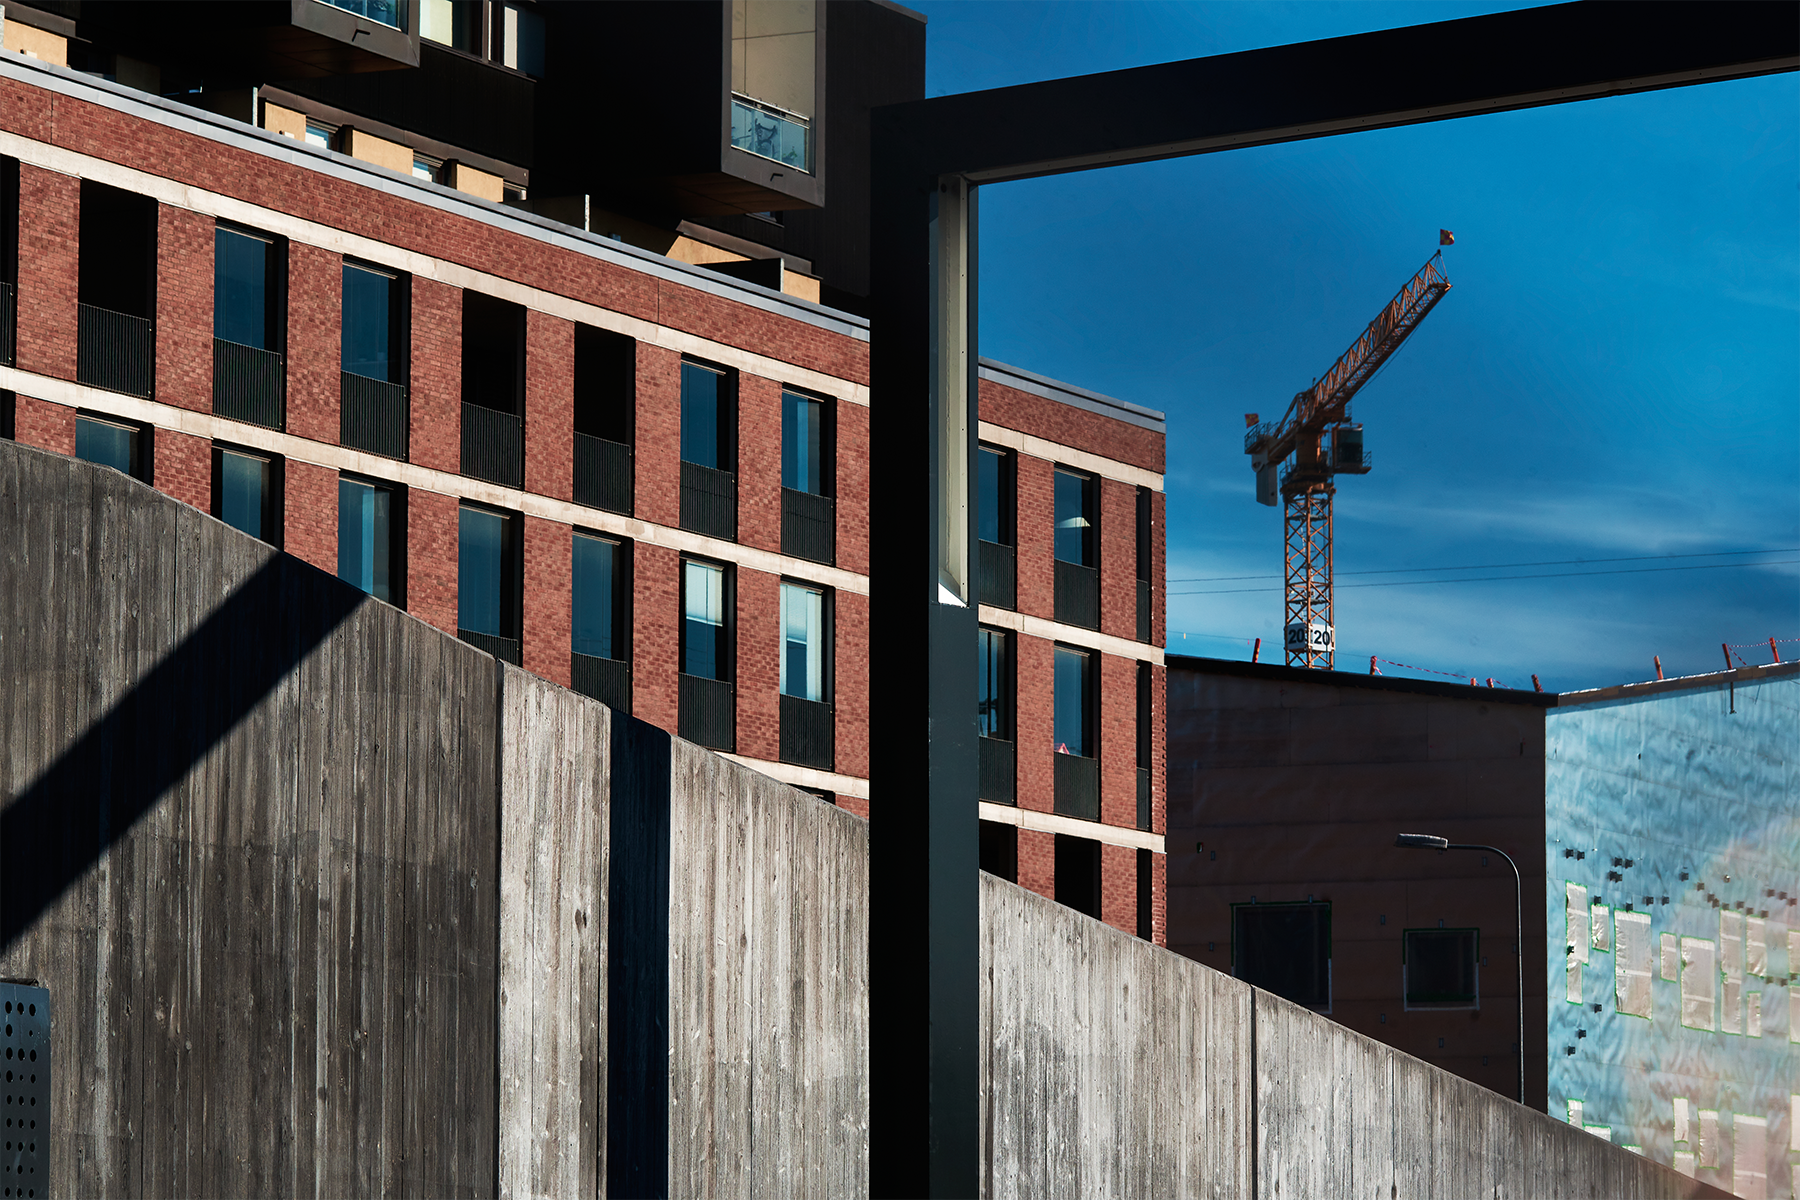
[(1427, 670)]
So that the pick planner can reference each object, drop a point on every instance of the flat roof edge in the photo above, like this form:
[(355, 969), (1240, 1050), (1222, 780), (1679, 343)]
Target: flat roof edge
[(234, 133), (1075, 397), (1351, 679), (1682, 683)]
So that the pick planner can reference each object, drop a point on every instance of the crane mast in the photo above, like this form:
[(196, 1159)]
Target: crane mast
[(1317, 434)]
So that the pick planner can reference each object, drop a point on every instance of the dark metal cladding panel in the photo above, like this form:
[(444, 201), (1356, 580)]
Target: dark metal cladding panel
[(999, 770), (705, 716), (808, 733), (607, 680), (1077, 594), (25, 1136), (1077, 786), (807, 525)]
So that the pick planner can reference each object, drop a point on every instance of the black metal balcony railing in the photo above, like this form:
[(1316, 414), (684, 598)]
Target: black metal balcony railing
[(705, 716), (603, 474), (114, 351), (996, 566), (248, 384), (708, 501), (9, 323), (998, 771), (808, 733), (605, 679), (807, 525), (1143, 797), (493, 446), (1077, 786), (372, 415), (1143, 610), (504, 649), (1077, 594)]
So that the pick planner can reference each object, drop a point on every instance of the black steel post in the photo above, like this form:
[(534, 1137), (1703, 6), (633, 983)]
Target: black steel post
[(1519, 934)]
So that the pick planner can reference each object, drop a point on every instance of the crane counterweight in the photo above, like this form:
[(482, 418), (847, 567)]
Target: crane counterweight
[(1316, 433)]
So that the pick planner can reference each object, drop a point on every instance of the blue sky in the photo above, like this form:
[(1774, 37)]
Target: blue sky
[(1614, 375)]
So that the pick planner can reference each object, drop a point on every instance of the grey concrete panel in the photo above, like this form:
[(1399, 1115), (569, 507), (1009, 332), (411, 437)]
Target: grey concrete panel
[(554, 805)]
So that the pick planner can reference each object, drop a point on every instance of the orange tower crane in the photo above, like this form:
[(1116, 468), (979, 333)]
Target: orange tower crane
[(1317, 433)]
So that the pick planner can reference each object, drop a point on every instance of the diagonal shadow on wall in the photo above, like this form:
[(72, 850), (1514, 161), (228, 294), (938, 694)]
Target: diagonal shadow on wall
[(118, 769)]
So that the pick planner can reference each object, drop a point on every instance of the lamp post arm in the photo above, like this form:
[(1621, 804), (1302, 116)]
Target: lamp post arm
[(1519, 928)]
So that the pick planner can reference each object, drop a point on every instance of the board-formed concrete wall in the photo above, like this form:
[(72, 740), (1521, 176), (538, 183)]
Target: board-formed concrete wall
[(330, 903), (1114, 1068)]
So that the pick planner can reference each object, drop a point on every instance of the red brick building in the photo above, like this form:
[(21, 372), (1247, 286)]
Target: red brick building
[(631, 473)]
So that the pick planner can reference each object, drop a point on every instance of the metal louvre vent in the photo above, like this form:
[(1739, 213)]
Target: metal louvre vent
[(25, 1042)]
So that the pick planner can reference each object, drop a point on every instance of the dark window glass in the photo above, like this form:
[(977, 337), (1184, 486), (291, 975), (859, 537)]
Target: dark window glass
[(802, 444), (493, 367), (705, 417), (1075, 518), (243, 279), (605, 384), (703, 649), (1143, 715), (1000, 850), (1146, 928), (108, 443), (994, 665), (371, 310), (597, 571), (118, 250), (245, 486), (1442, 967), (366, 537), (802, 642), (1074, 702), (483, 573), (1285, 949), (1143, 533), (1078, 874), (993, 496)]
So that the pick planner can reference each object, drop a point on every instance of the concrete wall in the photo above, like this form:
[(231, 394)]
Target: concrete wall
[(1683, 800), (1117, 1069), (1287, 785)]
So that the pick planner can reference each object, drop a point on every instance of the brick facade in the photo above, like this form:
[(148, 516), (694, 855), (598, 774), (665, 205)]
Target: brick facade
[(311, 503), (184, 308), (314, 342), (49, 265)]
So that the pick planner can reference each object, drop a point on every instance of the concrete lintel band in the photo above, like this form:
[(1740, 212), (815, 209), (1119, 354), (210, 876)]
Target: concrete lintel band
[(1043, 822)]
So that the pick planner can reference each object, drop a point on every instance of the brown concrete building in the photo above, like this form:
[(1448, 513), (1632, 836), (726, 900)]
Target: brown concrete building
[(1287, 788), (611, 437)]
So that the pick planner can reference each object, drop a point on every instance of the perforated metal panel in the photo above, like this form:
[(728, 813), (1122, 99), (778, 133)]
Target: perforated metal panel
[(25, 1086)]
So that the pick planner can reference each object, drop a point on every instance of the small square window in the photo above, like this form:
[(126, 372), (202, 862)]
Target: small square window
[(1441, 968), (1285, 949), (247, 493)]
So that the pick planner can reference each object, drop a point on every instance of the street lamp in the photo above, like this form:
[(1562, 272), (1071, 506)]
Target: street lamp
[(1426, 841)]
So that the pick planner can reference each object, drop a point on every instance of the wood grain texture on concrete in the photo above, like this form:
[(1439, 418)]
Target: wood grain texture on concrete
[(554, 804)]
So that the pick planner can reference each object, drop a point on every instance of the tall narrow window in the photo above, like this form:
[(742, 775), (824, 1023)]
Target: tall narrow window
[(487, 582), (708, 451), (9, 259), (999, 850), (598, 627), (998, 764), (249, 375), (115, 337), (493, 390), (1146, 886), (994, 489), (706, 699), (247, 493), (605, 408), (1078, 874), (808, 512), (121, 445), (370, 537), (807, 725), (372, 380), (1077, 773), (1146, 553), (1144, 745), (1077, 549)]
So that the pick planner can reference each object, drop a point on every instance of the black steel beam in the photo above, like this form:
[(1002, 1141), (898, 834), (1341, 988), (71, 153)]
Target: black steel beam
[(924, 916)]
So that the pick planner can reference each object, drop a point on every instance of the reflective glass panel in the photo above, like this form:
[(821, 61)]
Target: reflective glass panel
[(480, 571), (368, 323), (703, 625), (802, 420), (244, 493), (802, 642), (107, 444), (240, 288), (1074, 518), (987, 494), (1074, 728), (701, 419), (992, 707), (593, 595), (365, 557)]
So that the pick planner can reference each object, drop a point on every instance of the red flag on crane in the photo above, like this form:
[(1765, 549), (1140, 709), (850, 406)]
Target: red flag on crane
[(1446, 238)]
